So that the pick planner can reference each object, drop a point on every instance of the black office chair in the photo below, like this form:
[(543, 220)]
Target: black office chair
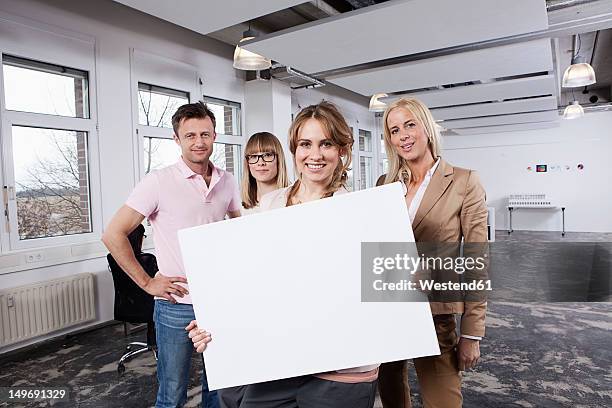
[(132, 304)]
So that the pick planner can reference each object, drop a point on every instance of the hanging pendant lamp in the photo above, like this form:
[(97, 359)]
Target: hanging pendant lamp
[(247, 60), (573, 111), (376, 105)]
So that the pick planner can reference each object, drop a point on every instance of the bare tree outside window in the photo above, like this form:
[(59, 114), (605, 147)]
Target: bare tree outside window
[(156, 105), (51, 182), (50, 166)]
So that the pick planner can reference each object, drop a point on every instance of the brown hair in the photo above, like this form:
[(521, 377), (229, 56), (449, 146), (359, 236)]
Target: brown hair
[(336, 128), (197, 110), (261, 142)]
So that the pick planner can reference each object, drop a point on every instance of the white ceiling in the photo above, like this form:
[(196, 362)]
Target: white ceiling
[(204, 16), (484, 64), (398, 28), (492, 91), (496, 108), (402, 47), (546, 116), (517, 127)]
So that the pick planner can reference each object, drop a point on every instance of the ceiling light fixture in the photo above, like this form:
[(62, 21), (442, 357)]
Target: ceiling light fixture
[(580, 73), (376, 105), (577, 75), (247, 60), (440, 128), (573, 111)]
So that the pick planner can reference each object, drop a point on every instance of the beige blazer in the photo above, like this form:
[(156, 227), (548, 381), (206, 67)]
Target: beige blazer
[(453, 208)]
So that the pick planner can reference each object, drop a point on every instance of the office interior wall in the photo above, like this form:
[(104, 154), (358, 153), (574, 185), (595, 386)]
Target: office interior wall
[(502, 160), (117, 30)]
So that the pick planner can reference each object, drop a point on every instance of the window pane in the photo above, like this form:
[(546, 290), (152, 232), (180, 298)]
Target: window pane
[(350, 182), (383, 151), (159, 153), (365, 140), (36, 87), (51, 182), (156, 105), (365, 172), (227, 118), (384, 166), (227, 157)]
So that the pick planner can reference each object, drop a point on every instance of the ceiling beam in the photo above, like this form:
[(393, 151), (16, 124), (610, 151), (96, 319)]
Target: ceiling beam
[(492, 91), (582, 18)]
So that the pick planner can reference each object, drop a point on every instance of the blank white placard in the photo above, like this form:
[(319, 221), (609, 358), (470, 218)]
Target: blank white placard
[(280, 291)]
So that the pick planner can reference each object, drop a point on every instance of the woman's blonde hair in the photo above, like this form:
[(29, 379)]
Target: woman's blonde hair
[(398, 167), (261, 142), (336, 128)]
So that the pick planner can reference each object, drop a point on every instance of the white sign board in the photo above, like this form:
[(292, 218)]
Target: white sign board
[(280, 291)]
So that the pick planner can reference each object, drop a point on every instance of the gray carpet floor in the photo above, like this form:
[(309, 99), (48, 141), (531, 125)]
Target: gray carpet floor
[(534, 355)]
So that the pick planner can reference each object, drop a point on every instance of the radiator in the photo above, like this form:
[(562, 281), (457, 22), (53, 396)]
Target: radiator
[(45, 307)]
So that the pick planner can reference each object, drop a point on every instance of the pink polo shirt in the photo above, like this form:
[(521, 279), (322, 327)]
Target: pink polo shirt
[(174, 198)]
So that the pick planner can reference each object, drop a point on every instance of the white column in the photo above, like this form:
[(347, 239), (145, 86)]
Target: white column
[(268, 109)]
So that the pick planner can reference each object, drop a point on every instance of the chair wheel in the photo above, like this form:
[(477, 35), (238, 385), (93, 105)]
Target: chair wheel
[(120, 369)]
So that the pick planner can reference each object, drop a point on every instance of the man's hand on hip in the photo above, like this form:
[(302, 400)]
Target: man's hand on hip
[(165, 286)]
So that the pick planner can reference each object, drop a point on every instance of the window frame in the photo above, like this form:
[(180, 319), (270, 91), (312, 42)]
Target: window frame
[(151, 69), (184, 79), (143, 131), (41, 46), (371, 155), (381, 153), (237, 140)]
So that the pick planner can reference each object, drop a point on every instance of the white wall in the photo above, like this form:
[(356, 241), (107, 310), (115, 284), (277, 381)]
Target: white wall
[(354, 107), (502, 160)]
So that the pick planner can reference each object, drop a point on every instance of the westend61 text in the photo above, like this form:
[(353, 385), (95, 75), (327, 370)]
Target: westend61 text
[(429, 285)]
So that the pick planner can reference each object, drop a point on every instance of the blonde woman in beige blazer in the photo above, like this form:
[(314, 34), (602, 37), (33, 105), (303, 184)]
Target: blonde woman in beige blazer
[(446, 204)]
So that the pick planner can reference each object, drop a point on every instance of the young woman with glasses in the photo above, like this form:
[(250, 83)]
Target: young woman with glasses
[(265, 161), (321, 143)]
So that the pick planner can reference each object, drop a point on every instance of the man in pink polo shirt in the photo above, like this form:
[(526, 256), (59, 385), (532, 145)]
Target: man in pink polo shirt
[(191, 192)]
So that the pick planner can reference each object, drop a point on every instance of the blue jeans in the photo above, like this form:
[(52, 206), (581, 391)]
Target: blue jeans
[(174, 351)]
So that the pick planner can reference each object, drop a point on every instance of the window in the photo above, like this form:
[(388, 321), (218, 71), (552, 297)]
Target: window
[(51, 182), (156, 105), (350, 182), (228, 147), (36, 87), (159, 153), (365, 156), (365, 172), (384, 165), (383, 161), (365, 141), (46, 116)]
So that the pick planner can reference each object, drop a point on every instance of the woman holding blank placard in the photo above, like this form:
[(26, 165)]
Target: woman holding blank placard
[(321, 143)]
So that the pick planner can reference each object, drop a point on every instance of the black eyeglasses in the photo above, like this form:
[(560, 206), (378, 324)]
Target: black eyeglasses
[(254, 158)]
